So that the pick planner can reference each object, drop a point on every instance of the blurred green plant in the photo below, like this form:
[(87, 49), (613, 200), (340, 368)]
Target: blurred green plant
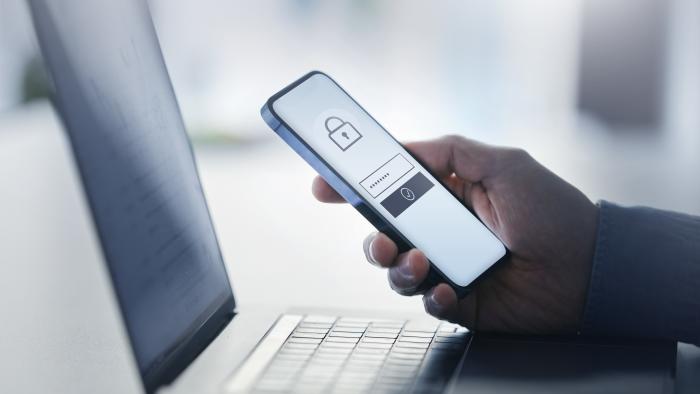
[(36, 85), (35, 81)]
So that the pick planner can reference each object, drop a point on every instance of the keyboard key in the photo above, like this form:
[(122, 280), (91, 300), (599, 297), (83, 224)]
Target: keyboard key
[(372, 349), (378, 330), (412, 345), (408, 350), (327, 361), (368, 366), (342, 339), (348, 386), (358, 375), (415, 339), (325, 326), (311, 387), (404, 359), (326, 345), (360, 354), (424, 334), (388, 322), (374, 345), (422, 325), (320, 370), (295, 340), (353, 320), (345, 334), (407, 364), (410, 366), (367, 339), (381, 335), (348, 329), (311, 330), (327, 350), (321, 357), (406, 356), (308, 335)]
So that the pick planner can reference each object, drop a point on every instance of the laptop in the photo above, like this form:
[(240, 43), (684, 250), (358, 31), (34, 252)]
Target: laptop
[(140, 178)]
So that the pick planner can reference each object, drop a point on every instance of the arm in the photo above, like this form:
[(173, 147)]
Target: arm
[(645, 280)]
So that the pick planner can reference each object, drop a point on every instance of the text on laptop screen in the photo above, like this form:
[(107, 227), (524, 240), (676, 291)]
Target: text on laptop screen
[(138, 171)]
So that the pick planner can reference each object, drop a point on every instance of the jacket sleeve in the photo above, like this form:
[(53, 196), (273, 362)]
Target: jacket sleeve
[(645, 279)]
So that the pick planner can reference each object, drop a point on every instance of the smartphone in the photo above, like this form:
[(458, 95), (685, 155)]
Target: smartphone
[(382, 180)]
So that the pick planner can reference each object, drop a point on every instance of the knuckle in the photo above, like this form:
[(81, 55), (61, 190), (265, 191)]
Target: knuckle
[(517, 156), (404, 291)]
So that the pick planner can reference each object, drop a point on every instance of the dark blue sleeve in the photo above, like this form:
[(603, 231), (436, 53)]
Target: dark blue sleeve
[(645, 280)]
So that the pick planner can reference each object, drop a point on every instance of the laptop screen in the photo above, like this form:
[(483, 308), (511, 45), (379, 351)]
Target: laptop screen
[(137, 168)]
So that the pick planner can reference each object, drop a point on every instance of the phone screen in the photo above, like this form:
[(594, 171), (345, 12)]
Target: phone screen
[(382, 172)]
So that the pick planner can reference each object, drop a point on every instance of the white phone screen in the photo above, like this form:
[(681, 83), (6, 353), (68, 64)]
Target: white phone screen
[(387, 177)]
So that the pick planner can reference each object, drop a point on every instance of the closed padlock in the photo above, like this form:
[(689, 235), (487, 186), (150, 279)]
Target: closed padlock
[(343, 133)]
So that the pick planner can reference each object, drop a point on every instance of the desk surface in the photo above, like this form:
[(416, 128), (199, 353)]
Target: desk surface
[(62, 331)]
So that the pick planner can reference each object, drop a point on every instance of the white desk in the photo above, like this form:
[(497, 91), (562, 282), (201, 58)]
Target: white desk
[(60, 329)]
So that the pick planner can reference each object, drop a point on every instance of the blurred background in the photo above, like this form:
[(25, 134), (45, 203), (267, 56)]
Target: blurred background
[(606, 93)]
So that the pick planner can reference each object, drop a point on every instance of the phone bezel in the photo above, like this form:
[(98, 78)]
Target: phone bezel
[(349, 192)]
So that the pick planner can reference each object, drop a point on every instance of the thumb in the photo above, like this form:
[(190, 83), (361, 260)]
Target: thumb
[(469, 160)]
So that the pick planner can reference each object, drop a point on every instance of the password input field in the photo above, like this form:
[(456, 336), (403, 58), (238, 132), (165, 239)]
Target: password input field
[(386, 175)]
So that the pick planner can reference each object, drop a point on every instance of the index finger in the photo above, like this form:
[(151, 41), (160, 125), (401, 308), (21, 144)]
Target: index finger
[(467, 159)]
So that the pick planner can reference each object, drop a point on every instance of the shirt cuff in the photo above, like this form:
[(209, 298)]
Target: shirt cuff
[(645, 279)]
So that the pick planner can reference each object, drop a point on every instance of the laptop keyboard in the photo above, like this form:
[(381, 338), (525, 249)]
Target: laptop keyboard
[(350, 355)]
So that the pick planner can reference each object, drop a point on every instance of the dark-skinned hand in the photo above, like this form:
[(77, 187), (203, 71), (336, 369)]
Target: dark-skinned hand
[(548, 225)]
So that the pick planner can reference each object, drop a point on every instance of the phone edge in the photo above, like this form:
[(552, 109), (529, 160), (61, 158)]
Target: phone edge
[(435, 275)]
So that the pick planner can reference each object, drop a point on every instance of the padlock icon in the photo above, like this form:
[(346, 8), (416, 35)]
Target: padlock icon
[(343, 133)]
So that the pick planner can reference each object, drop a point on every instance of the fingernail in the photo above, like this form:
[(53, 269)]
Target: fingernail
[(405, 272), (367, 246), (432, 306)]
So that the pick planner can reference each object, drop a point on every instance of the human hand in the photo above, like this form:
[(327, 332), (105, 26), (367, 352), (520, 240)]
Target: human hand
[(548, 225)]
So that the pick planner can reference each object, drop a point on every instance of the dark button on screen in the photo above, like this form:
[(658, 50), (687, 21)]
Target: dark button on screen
[(407, 194)]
